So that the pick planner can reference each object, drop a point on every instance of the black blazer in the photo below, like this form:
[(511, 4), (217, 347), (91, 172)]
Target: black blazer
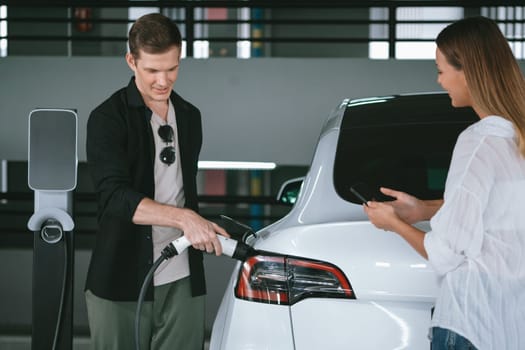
[(120, 154)]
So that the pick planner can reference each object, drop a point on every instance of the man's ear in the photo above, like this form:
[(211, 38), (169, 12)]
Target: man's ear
[(130, 60)]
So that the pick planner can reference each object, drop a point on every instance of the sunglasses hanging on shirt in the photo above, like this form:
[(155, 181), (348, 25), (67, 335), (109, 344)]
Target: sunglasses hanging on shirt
[(167, 155)]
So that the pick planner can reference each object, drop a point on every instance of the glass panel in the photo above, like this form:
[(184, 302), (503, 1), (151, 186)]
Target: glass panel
[(418, 49), (415, 50), (248, 196), (378, 50), (243, 32), (3, 31), (404, 143), (429, 13), (406, 31), (512, 24)]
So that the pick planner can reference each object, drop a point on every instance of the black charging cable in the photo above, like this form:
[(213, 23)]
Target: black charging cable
[(60, 317), (230, 247), (168, 252)]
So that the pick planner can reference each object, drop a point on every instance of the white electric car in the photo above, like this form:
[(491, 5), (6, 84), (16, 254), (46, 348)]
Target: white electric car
[(324, 276)]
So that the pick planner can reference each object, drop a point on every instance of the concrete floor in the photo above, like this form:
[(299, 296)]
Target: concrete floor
[(17, 342), (24, 343)]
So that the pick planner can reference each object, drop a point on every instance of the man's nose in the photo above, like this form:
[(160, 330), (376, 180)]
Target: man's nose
[(162, 78)]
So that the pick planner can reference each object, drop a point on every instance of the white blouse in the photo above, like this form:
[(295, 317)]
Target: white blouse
[(477, 240)]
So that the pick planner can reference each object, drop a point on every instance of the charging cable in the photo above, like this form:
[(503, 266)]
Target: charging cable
[(230, 247)]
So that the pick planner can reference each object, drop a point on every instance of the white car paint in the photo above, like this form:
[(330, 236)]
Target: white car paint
[(394, 287)]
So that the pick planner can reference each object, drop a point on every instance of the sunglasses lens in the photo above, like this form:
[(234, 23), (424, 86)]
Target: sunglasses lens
[(167, 155), (166, 133)]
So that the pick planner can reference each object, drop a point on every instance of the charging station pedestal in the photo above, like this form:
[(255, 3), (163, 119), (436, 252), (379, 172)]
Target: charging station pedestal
[(52, 175)]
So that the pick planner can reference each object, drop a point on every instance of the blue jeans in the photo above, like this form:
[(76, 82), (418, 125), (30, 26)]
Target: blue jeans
[(444, 339)]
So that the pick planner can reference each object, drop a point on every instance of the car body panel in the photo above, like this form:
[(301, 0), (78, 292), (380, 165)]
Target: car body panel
[(363, 325), (243, 325), (394, 287), (378, 264)]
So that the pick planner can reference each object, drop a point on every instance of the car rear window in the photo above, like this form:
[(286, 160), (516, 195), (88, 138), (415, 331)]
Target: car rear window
[(403, 143)]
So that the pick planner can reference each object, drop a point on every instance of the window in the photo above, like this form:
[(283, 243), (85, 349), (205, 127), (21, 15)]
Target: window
[(246, 29), (3, 31), (413, 40), (404, 143), (427, 32), (511, 22), (206, 28)]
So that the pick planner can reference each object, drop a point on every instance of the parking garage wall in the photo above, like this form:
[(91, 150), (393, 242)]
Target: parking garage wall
[(252, 109)]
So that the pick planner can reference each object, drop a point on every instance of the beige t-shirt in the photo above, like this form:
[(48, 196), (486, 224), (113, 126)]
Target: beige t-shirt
[(168, 190)]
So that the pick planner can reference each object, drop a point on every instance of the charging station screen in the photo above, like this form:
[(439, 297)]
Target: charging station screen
[(52, 155)]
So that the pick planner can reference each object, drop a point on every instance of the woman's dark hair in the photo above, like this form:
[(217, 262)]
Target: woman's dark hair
[(153, 33)]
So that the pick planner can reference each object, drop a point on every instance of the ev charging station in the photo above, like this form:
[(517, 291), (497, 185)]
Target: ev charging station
[(52, 175)]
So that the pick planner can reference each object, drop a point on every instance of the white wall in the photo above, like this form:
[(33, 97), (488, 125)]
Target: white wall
[(266, 109)]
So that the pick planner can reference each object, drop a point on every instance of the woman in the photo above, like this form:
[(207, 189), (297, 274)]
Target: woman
[(477, 240)]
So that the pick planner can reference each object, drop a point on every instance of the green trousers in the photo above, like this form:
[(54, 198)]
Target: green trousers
[(173, 320)]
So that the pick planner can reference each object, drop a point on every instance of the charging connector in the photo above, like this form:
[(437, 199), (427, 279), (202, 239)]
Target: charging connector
[(232, 248), (51, 231)]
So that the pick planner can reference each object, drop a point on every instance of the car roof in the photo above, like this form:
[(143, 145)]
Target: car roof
[(354, 113), (404, 109)]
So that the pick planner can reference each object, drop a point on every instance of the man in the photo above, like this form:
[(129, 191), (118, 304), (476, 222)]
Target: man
[(142, 147)]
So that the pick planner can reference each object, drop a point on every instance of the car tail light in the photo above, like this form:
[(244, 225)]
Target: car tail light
[(286, 280)]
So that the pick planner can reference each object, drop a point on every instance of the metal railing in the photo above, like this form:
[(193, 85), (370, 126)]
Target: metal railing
[(332, 22)]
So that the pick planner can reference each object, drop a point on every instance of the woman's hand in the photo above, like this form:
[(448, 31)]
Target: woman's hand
[(382, 215), (408, 208), (397, 216)]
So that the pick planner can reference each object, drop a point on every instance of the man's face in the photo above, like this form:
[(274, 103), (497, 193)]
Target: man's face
[(155, 74)]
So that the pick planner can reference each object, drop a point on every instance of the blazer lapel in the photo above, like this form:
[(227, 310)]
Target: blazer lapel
[(183, 134)]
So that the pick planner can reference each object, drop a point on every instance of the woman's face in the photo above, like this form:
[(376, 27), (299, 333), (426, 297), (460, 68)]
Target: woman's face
[(453, 81)]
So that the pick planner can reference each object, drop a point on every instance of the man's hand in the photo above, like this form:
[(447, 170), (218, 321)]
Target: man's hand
[(202, 233)]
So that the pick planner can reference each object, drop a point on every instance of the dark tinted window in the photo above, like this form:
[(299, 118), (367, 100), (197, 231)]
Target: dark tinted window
[(404, 143)]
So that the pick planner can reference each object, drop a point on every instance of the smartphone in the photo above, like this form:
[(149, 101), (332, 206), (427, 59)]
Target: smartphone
[(359, 195)]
